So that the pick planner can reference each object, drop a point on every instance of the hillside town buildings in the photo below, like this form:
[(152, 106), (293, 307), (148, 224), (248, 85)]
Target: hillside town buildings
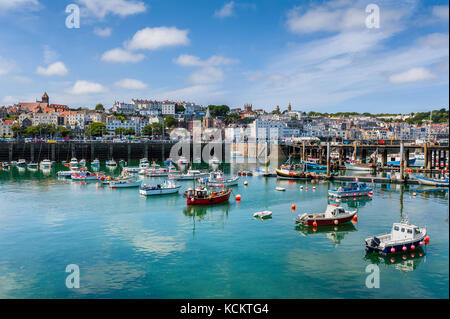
[(257, 125)]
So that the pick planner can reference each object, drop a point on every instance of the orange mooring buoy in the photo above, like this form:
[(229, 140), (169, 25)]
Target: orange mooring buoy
[(293, 207), (355, 218), (238, 197), (314, 223)]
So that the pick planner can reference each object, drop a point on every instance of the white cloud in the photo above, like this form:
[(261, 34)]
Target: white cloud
[(50, 55), (14, 4), (441, 12), (9, 100), (434, 40), (131, 84), (123, 8), (412, 75), (156, 38), (215, 60), (226, 11), (21, 79), (206, 75), (103, 32), (119, 55), (57, 68), (85, 87), (325, 19), (5, 66)]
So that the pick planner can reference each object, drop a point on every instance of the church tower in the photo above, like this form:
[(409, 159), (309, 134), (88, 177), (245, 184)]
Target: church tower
[(45, 98), (207, 120), (289, 107)]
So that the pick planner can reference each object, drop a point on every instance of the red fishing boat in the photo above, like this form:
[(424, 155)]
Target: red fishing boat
[(202, 196), (333, 215)]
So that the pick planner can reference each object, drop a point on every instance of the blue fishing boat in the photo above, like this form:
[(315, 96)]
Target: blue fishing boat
[(403, 237), (443, 182), (353, 189), (312, 165)]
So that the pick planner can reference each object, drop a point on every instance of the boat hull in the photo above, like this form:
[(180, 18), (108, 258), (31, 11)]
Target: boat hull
[(338, 194), (162, 191), (432, 182), (208, 201), (290, 175), (398, 248), (327, 221), (125, 185)]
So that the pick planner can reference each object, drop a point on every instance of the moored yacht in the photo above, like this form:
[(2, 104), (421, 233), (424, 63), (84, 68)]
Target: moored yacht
[(403, 237), (21, 163), (45, 164), (74, 163)]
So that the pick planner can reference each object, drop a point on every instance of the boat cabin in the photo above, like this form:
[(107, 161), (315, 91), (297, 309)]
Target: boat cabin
[(352, 186), (199, 192), (403, 230), (334, 211)]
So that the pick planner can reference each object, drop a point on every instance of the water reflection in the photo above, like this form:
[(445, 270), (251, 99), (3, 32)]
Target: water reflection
[(404, 262), (353, 202), (335, 233)]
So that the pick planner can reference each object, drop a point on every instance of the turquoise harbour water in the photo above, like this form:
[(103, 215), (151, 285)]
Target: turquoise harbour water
[(128, 246)]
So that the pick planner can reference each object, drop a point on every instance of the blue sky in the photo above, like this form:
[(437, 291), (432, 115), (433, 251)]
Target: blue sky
[(317, 55)]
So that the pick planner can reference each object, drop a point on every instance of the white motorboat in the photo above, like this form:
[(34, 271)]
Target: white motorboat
[(403, 237), (95, 163), (214, 161), (45, 164), (280, 189), (111, 163), (144, 163), (190, 175), (73, 163), (182, 161), (82, 163), (125, 183), (218, 179), (263, 214), (32, 165), (67, 174), (168, 187), (21, 163), (132, 170)]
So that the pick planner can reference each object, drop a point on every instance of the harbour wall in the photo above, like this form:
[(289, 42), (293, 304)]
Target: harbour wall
[(158, 151)]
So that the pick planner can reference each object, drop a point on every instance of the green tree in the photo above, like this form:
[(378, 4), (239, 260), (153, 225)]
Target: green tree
[(63, 131), (119, 131), (218, 110), (17, 130), (179, 108), (170, 121), (99, 107), (96, 129), (130, 131)]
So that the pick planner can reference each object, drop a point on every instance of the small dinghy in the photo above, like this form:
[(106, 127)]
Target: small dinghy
[(333, 215), (280, 189), (403, 237), (263, 214)]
